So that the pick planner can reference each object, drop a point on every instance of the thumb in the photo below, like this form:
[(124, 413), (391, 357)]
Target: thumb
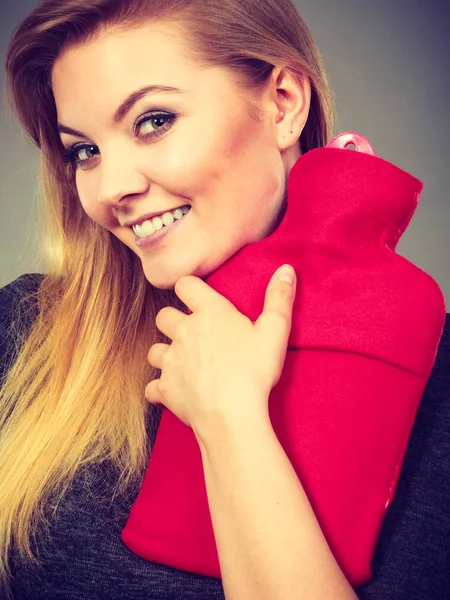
[(276, 319)]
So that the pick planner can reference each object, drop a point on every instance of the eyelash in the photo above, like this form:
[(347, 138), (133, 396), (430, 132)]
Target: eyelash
[(70, 155)]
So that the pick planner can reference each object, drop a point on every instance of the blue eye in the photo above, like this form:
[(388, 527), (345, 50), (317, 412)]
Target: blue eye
[(150, 125), (80, 155), (153, 124)]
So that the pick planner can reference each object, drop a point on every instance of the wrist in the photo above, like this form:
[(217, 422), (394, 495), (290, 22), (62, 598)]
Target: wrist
[(224, 431)]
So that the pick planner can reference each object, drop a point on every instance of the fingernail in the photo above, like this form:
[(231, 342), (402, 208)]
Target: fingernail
[(286, 273)]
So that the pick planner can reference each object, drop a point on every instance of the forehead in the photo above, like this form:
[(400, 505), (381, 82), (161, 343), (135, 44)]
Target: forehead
[(149, 50), (92, 79)]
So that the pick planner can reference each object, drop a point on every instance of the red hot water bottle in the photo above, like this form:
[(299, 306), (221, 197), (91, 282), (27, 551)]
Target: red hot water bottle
[(365, 332)]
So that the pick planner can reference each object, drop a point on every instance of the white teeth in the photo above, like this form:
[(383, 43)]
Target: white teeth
[(149, 227), (157, 223), (146, 228), (168, 218)]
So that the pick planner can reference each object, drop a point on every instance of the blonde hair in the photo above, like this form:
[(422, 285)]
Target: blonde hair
[(75, 394)]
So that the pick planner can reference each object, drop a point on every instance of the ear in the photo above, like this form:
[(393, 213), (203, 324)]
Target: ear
[(290, 101)]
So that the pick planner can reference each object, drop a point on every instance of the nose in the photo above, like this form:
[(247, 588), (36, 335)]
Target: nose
[(119, 180)]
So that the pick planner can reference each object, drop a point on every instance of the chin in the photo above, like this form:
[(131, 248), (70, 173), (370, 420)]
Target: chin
[(161, 284), (166, 281)]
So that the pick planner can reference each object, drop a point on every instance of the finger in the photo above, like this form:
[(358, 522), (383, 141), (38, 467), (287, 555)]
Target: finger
[(156, 354), (152, 393), (276, 319), (168, 319), (195, 293)]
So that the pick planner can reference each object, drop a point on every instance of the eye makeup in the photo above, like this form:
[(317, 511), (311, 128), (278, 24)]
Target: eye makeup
[(159, 121)]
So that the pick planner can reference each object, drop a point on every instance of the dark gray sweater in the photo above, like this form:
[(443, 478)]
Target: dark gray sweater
[(85, 558)]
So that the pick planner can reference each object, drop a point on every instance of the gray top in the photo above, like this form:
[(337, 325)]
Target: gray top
[(85, 558)]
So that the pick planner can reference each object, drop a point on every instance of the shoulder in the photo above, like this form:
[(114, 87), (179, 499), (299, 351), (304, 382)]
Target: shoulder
[(412, 559), (18, 309), (21, 287), (436, 397), (444, 345), (17, 298)]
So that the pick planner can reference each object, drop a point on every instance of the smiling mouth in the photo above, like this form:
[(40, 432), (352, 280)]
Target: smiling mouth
[(151, 226)]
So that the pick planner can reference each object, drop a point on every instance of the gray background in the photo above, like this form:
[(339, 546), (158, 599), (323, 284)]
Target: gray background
[(388, 61)]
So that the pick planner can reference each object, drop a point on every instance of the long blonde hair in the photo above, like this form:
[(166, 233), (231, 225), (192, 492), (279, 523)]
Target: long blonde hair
[(75, 394)]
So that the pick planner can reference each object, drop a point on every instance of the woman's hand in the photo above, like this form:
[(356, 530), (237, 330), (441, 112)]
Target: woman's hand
[(219, 363)]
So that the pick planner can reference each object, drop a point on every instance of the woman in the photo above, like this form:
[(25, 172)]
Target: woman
[(87, 416)]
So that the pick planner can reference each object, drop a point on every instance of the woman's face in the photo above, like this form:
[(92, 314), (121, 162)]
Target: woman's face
[(152, 130)]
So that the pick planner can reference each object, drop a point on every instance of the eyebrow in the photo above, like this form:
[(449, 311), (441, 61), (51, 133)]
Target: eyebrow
[(127, 105)]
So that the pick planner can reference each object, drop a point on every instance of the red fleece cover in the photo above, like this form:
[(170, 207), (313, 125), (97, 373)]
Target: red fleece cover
[(366, 328)]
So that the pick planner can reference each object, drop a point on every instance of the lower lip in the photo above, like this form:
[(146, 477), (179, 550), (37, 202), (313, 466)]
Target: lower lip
[(159, 235)]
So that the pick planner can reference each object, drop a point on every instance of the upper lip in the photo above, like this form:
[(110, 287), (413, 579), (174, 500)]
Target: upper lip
[(149, 216)]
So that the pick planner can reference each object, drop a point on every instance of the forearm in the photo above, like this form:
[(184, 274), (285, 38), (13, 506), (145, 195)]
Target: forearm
[(269, 543)]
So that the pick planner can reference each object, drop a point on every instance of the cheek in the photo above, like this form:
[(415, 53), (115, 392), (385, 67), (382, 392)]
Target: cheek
[(208, 154), (188, 169), (88, 207), (94, 210), (84, 194)]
